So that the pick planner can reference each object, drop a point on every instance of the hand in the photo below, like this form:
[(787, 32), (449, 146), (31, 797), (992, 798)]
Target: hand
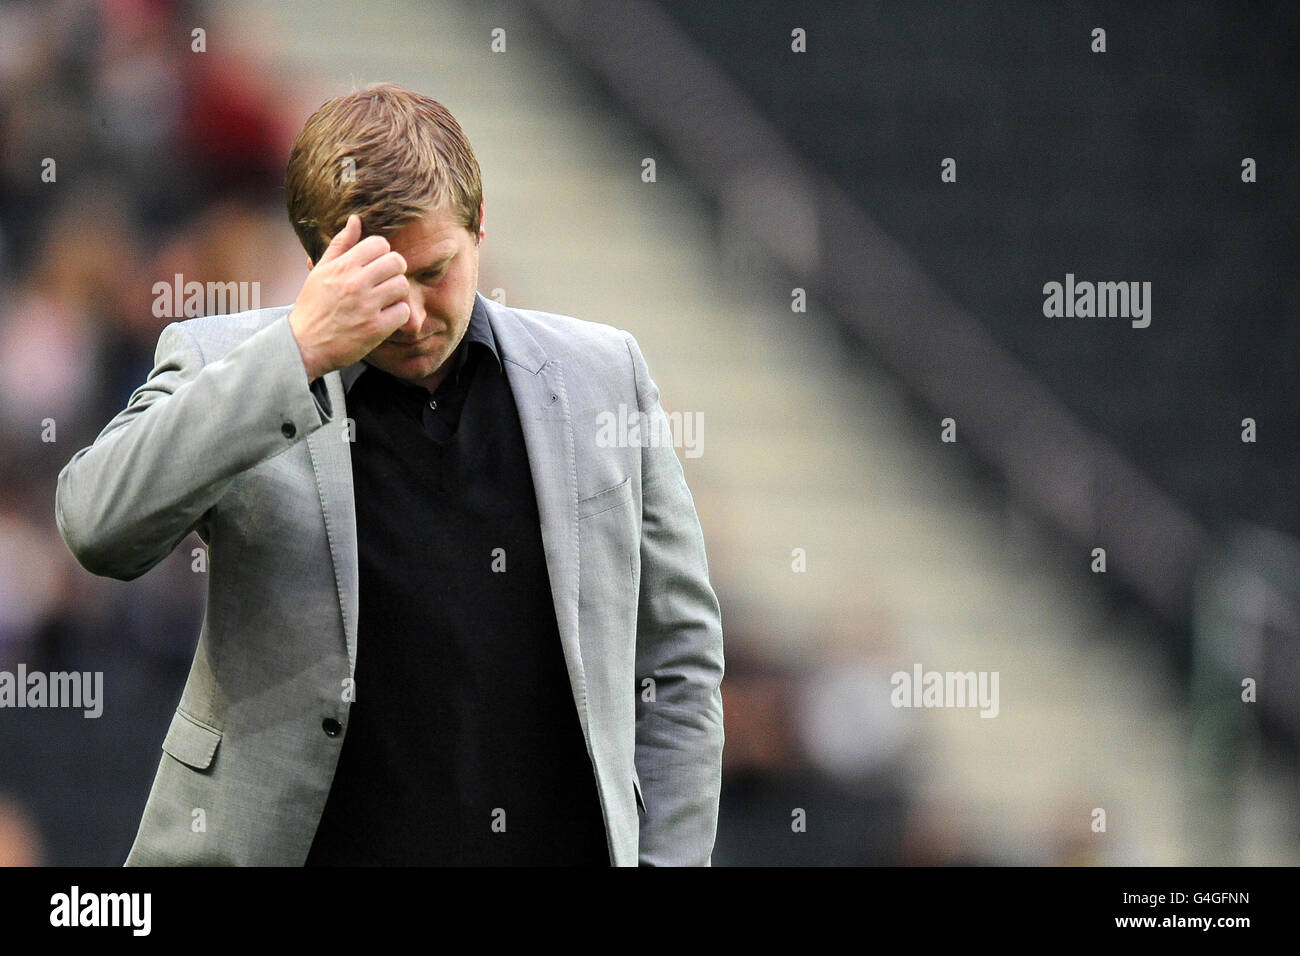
[(352, 300)]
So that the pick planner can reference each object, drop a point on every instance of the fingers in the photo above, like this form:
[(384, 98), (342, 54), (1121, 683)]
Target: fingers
[(383, 267), (393, 289), (395, 316), (367, 278), (347, 244), (368, 250), (344, 240)]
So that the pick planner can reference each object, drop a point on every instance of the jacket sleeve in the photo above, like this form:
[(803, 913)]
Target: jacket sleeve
[(679, 735), (125, 502)]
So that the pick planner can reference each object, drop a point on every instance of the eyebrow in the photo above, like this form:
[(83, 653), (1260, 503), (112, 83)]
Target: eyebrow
[(433, 266)]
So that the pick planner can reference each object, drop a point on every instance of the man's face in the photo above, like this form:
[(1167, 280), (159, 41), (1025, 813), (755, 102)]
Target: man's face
[(442, 267)]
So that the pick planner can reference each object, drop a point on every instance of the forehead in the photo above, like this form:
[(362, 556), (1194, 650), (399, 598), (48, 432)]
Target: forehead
[(436, 234)]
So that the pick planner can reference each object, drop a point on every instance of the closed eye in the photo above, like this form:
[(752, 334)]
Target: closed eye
[(433, 273)]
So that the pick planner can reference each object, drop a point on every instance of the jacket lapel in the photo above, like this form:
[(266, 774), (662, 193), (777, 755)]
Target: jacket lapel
[(331, 457), (537, 383)]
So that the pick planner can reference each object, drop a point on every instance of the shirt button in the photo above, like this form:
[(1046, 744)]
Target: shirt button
[(433, 403), (288, 430), (331, 727)]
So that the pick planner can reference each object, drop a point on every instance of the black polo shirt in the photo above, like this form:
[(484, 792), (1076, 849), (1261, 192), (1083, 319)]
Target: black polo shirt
[(463, 743)]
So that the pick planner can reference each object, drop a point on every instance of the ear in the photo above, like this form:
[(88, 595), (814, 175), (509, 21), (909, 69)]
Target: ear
[(482, 220)]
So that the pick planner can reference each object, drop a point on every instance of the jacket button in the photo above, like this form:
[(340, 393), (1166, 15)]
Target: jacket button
[(288, 430), (331, 727)]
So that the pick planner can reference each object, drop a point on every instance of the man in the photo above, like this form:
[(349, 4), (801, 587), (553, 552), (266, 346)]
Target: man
[(445, 624)]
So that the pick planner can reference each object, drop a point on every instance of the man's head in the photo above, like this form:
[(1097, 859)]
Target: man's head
[(401, 162)]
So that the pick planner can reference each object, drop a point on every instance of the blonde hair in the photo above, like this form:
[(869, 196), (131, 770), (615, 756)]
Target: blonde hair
[(386, 153)]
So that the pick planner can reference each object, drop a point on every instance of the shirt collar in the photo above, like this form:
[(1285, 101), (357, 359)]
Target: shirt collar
[(479, 330)]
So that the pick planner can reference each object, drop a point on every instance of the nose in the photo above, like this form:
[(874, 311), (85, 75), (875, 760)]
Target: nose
[(410, 331)]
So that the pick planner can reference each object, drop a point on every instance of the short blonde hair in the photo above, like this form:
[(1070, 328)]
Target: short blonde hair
[(386, 153)]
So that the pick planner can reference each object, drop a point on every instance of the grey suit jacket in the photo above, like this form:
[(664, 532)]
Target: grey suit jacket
[(226, 439)]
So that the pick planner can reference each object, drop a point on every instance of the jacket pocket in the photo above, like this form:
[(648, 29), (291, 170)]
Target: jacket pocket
[(191, 742), (606, 500)]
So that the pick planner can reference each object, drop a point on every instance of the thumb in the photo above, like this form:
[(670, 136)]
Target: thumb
[(344, 240)]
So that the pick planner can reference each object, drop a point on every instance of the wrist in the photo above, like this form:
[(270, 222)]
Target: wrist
[(312, 366)]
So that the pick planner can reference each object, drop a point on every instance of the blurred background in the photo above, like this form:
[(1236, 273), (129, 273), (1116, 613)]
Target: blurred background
[(800, 276)]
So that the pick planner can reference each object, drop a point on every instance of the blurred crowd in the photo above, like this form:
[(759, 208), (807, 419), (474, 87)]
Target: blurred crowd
[(129, 153)]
